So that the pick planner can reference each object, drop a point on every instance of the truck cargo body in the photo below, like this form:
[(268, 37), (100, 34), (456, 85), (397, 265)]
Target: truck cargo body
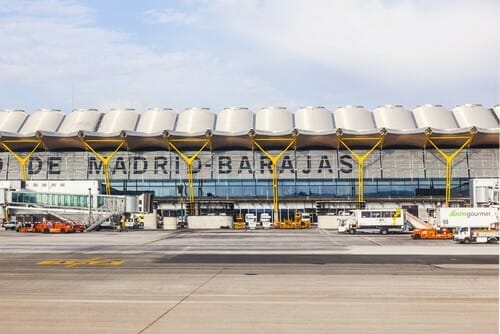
[(473, 217), (380, 220)]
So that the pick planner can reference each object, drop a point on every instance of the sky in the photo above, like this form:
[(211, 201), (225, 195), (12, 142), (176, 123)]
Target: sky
[(251, 53)]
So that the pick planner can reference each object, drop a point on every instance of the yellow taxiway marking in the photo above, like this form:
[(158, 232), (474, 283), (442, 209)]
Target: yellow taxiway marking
[(81, 262)]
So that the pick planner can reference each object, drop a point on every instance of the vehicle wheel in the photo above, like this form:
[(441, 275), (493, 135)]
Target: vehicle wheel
[(384, 231), (416, 236), (63, 230), (466, 241)]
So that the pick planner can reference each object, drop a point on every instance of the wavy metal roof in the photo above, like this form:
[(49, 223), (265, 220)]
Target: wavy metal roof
[(234, 128)]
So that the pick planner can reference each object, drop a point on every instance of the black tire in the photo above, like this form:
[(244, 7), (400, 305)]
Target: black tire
[(466, 241), (384, 231), (46, 230), (63, 230)]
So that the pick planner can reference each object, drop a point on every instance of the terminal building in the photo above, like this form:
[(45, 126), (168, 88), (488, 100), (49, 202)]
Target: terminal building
[(202, 162)]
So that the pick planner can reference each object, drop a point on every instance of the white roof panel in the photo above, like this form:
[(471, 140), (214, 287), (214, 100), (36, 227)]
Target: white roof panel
[(316, 119), (273, 119), (235, 120), (392, 116), (119, 120), (43, 120), (353, 118), (195, 120), (80, 120), (156, 120), (11, 120)]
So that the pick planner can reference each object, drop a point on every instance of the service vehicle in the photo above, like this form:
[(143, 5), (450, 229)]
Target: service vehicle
[(468, 234), (10, 225), (431, 233), (251, 221), (239, 223), (305, 220), (54, 227), (265, 220), (370, 220), (25, 227)]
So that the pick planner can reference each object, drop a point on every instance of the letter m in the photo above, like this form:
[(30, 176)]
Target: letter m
[(94, 165)]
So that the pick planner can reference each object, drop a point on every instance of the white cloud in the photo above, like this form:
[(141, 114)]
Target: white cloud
[(439, 51), (56, 62), (167, 16), (439, 42)]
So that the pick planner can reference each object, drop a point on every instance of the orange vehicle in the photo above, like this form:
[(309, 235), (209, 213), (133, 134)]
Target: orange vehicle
[(431, 233), (54, 227), (26, 227), (77, 227)]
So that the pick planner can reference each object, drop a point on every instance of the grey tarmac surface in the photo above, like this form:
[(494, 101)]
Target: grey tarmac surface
[(308, 281)]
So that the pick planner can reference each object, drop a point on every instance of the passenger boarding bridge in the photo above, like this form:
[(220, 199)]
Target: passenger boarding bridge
[(89, 209)]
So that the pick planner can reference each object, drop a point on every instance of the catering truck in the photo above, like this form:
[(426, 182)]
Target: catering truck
[(467, 234), (379, 220), (472, 217)]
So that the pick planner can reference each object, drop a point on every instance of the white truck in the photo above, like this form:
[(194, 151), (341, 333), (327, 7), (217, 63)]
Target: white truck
[(265, 220), (306, 219), (468, 234), (251, 221), (369, 220), (472, 217)]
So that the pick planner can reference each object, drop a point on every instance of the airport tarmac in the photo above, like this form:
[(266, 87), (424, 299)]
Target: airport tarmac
[(224, 281)]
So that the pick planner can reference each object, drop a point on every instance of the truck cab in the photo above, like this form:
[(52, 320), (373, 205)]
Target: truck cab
[(347, 225), (467, 234)]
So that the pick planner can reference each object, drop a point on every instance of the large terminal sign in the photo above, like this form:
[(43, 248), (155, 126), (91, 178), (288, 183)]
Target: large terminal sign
[(168, 165), (312, 164)]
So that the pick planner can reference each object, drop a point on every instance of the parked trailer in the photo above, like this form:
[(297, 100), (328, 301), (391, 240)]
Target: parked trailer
[(467, 234), (381, 220)]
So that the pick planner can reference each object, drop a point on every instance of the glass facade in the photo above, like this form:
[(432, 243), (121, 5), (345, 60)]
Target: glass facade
[(338, 188)]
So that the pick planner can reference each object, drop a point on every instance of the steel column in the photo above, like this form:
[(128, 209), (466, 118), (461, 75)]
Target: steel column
[(274, 166), (449, 159), (189, 159), (105, 159), (21, 159), (360, 160)]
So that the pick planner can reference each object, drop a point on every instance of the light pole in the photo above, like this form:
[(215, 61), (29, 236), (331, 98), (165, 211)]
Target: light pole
[(90, 207)]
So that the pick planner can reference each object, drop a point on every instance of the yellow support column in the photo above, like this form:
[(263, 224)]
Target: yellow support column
[(274, 165), (105, 159), (360, 160), (449, 159), (21, 159), (189, 159)]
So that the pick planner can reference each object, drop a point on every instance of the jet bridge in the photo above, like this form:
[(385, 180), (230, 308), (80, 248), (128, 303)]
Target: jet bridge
[(91, 210)]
